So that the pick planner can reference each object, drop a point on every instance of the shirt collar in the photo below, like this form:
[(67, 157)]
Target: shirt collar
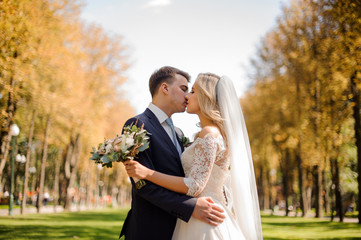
[(162, 116)]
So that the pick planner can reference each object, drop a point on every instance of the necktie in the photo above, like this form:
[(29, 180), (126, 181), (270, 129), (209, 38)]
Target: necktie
[(175, 141)]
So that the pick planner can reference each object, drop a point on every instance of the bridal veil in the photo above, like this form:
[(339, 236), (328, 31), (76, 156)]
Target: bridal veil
[(243, 190)]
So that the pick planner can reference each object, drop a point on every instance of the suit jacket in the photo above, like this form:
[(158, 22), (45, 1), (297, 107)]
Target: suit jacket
[(154, 209)]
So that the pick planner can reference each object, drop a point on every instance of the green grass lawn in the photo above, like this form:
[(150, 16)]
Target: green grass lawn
[(101, 225), (106, 224), (275, 227)]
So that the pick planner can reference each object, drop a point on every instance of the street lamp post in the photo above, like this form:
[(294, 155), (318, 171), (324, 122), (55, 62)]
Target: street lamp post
[(14, 131)]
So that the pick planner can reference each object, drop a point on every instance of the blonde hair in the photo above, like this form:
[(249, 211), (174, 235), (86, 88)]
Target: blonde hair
[(207, 100)]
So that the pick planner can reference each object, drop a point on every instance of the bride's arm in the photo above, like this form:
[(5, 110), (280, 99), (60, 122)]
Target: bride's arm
[(173, 183)]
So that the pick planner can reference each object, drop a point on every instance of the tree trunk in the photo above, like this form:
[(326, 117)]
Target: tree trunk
[(285, 179), (122, 196), (266, 190), (302, 199), (114, 195), (326, 193), (261, 188), (318, 186), (56, 178), (339, 208), (28, 155), (333, 163), (356, 115), (5, 146), (35, 177), (96, 192), (319, 200), (43, 165), (63, 184), (89, 189), (318, 167), (336, 189), (333, 201), (82, 186), (73, 164), (309, 190), (105, 187), (4, 135)]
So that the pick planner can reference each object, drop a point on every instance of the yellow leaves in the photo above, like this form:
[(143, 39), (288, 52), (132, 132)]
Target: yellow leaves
[(284, 105), (292, 142), (280, 137), (62, 68), (340, 78), (293, 54), (309, 103), (4, 114)]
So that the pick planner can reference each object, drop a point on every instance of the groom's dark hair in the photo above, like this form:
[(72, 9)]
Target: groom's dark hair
[(164, 74)]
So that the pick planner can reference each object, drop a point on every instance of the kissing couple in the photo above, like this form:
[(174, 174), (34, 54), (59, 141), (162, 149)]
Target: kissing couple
[(206, 191)]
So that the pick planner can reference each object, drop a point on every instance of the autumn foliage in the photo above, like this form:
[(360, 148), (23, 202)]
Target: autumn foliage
[(303, 109), (60, 82)]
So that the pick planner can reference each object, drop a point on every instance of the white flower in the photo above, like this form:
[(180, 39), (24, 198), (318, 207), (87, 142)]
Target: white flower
[(123, 146), (129, 141), (108, 148)]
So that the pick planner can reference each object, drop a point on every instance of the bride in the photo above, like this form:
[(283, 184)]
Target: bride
[(218, 164)]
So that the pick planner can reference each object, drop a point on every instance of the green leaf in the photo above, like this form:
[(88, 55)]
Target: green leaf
[(142, 148), (105, 159), (109, 165), (95, 156), (115, 157)]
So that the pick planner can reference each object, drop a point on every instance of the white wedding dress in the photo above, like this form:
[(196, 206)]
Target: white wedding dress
[(206, 167)]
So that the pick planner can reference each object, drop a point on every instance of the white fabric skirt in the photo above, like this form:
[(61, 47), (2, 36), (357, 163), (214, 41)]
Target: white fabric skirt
[(198, 230)]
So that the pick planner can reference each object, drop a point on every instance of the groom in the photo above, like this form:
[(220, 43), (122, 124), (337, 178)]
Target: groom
[(154, 210)]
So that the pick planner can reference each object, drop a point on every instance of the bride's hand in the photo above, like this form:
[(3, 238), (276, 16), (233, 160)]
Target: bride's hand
[(136, 170)]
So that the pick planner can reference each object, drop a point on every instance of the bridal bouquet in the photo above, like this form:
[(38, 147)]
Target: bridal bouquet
[(122, 148)]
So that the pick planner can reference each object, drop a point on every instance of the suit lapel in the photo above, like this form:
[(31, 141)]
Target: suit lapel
[(165, 137)]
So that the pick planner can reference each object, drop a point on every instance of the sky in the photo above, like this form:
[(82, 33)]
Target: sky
[(218, 36)]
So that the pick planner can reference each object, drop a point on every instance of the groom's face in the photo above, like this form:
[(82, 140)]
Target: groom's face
[(178, 90)]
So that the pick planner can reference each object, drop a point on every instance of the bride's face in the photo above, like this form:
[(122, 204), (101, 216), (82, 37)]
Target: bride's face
[(192, 100)]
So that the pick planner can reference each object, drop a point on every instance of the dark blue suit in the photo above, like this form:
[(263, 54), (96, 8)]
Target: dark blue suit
[(154, 210)]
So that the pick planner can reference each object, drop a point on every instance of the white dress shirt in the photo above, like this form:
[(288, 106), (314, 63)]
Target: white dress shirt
[(162, 116)]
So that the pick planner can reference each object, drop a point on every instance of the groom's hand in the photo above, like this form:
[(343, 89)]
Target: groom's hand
[(208, 212)]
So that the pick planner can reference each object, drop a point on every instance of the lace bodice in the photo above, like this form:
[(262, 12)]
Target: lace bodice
[(206, 168)]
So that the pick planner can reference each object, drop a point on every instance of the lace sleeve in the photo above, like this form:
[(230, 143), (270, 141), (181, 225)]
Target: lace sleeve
[(204, 157)]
